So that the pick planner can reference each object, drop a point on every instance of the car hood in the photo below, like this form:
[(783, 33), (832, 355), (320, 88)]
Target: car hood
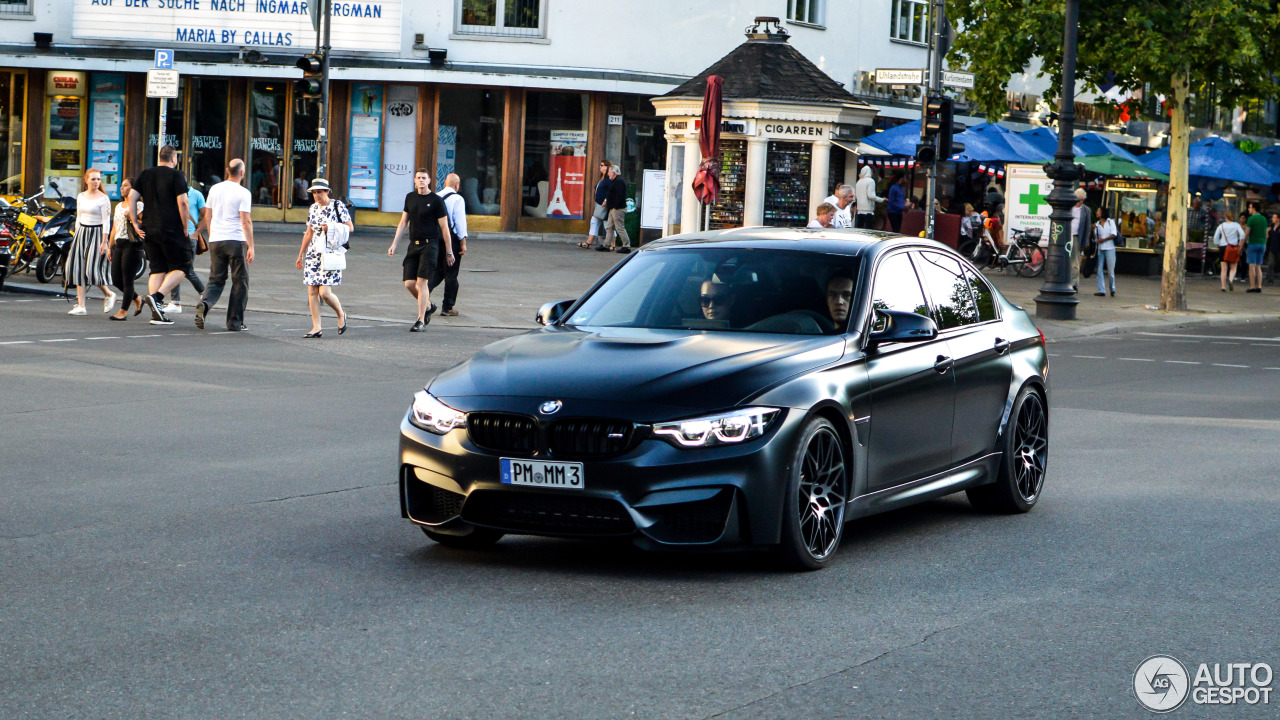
[(660, 368)]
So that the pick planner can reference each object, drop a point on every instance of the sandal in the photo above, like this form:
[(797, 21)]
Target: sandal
[(584, 245)]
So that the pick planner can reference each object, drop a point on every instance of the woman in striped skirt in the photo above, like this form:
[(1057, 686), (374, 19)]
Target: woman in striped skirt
[(87, 262)]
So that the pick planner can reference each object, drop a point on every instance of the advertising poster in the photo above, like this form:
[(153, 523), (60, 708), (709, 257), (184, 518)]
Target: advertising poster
[(399, 146), (654, 197), (106, 129), (446, 153), (568, 168), (366, 145), (1027, 199)]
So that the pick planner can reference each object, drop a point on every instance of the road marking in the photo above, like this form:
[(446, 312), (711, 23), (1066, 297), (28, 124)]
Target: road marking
[(60, 340), (1271, 368), (1137, 359), (1193, 342), (105, 337), (141, 336), (18, 342), (1224, 343), (1182, 362), (1229, 365), (1089, 357), (1053, 354), (1261, 345), (24, 300), (1211, 337)]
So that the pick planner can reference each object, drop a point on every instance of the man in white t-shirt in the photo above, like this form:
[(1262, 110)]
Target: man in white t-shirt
[(842, 199), (230, 229)]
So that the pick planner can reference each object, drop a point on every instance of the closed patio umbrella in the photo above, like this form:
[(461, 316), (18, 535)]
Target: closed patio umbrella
[(706, 182)]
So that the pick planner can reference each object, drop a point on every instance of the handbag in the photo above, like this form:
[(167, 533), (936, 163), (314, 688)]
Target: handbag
[(202, 246), (1231, 254), (1088, 265), (601, 212), (330, 261)]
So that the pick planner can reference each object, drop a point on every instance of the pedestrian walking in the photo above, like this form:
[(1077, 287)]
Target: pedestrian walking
[(1082, 234), (1256, 250), (124, 251), (1273, 245), (823, 217), (896, 201), (616, 223), (866, 199), (318, 240), (195, 220), (230, 228), (842, 200), (163, 190), (1105, 232), (427, 220), (87, 261), (447, 272), (1229, 236), (599, 213)]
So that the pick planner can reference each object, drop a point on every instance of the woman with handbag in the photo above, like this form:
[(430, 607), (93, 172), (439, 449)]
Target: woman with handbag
[(87, 262), (1228, 236), (124, 251), (321, 264), (1105, 234), (600, 213)]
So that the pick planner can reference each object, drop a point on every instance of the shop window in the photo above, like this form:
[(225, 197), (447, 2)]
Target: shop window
[(266, 140), (786, 184), (812, 12), (727, 210), (206, 150), (555, 154), (470, 144), (305, 148), (501, 18), (909, 21), (13, 94)]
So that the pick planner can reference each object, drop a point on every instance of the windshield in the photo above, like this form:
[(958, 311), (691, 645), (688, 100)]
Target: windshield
[(728, 289)]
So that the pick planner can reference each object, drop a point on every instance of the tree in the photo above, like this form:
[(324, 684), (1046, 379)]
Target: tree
[(1172, 47)]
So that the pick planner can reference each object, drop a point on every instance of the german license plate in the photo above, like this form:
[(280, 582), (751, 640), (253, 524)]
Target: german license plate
[(538, 473)]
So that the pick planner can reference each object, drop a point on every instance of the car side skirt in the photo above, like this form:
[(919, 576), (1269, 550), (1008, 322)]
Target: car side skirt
[(979, 471)]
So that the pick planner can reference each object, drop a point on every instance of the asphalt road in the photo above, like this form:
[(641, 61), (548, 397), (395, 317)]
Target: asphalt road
[(203, 525)]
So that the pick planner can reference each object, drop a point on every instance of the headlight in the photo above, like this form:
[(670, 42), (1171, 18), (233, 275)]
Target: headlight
[(49, 232), (434, 416), (723, 429)]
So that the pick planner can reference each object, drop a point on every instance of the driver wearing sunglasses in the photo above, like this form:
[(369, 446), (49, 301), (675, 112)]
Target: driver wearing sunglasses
[(716, 300)]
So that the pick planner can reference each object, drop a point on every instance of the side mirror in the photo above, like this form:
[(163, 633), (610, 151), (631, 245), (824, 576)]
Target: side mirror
[(551, 312), (902, 326)]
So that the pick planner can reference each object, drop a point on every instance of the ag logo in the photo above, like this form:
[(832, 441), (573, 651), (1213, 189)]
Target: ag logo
[(1161, 683)]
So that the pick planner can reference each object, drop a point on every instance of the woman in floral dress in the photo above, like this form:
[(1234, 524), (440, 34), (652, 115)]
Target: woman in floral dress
[(324, 211)]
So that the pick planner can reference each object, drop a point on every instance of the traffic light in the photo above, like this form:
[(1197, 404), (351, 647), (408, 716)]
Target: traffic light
[(312, 83), (948, 128), (926, 153), (934, 108)]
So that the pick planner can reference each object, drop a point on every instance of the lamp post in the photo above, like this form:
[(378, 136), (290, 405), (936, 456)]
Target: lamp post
[(1057, 299)]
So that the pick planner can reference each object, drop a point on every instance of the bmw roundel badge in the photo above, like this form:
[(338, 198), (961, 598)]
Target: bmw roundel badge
[(550, 407)]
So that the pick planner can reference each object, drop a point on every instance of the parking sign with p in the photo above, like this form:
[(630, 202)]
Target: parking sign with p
[(164, 59)]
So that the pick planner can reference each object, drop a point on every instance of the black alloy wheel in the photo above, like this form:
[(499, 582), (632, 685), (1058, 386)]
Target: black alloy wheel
[(1025, 461), (814, 501), (478, 538)]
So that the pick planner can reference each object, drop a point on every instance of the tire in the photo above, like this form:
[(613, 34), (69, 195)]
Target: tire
[(1035, 261), (478, 538), (47, 267), (1025, 459), (813, 502)]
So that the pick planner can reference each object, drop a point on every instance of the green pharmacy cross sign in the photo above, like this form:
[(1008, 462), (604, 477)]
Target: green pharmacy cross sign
[(1033, 199)]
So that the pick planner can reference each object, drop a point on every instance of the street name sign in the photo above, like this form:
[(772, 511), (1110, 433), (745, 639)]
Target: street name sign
[(962, 80), (162, 83), (899, 76)]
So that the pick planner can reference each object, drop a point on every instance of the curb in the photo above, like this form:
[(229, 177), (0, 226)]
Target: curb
[(1126, 326), (33, 289)]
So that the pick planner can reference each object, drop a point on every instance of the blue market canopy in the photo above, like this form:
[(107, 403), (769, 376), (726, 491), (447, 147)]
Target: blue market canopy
[(990, 142), (1215, 159), (1268, 158), (1046, 141), (1091, 143), (900, 140)]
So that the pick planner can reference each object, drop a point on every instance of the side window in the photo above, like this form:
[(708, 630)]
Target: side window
[(982, 291), (896, 288), (952, 300)]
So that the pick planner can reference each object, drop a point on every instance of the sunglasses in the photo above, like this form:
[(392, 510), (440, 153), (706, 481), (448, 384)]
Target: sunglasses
[(720, 299)]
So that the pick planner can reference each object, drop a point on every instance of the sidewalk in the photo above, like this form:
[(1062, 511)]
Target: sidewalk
[(503, 282)]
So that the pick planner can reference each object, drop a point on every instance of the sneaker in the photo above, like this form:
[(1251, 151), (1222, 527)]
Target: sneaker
[(237, 328), (77, 310), (154, 305), (448, 313), (173, 308), (431, 310), (418, 326), (109, 302), (1100, 294), (201, 309)]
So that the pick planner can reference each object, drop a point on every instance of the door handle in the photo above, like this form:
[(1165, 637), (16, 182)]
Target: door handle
[(942, 364), (1002, 346)]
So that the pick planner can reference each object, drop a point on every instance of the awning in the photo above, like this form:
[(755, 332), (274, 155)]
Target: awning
[(858, 148)]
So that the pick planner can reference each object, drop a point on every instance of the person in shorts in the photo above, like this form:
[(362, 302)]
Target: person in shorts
[(163, 189), (427, 221)]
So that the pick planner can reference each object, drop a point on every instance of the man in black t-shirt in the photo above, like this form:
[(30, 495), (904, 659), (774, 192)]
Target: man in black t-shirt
[(163, 191), (426, 218)]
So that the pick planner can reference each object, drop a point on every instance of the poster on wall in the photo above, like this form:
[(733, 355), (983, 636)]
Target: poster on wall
[(1027, 199), (654, 196), (399, 146), (568, 168), (365, 159), (106, 129), (446, 153)]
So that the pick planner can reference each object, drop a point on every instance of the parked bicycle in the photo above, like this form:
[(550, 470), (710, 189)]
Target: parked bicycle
[(1023, 253)]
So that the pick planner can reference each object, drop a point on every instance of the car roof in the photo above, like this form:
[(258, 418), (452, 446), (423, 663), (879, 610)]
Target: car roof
[(843, 241)]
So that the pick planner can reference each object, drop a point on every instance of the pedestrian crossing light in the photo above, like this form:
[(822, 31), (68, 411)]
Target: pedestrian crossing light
[(312, 83), (935, 107)]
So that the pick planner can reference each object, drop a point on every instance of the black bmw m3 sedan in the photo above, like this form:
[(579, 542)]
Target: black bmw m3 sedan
[(748, 388)]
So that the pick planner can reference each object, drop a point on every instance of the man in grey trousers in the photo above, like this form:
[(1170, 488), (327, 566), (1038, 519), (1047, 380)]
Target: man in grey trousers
[(1081, 232), (230, 229)]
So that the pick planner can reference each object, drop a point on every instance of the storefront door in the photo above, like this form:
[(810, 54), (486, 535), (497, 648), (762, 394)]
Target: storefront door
[(13, 102), (281, 119)]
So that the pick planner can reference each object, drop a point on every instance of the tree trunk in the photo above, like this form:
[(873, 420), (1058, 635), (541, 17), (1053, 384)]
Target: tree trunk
[(1173, 283)]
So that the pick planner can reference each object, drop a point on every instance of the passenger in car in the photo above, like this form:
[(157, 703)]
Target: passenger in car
[(839, 298), (716, 300)]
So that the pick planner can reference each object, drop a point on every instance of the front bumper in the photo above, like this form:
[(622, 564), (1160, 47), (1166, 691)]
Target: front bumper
[(656, 494)]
